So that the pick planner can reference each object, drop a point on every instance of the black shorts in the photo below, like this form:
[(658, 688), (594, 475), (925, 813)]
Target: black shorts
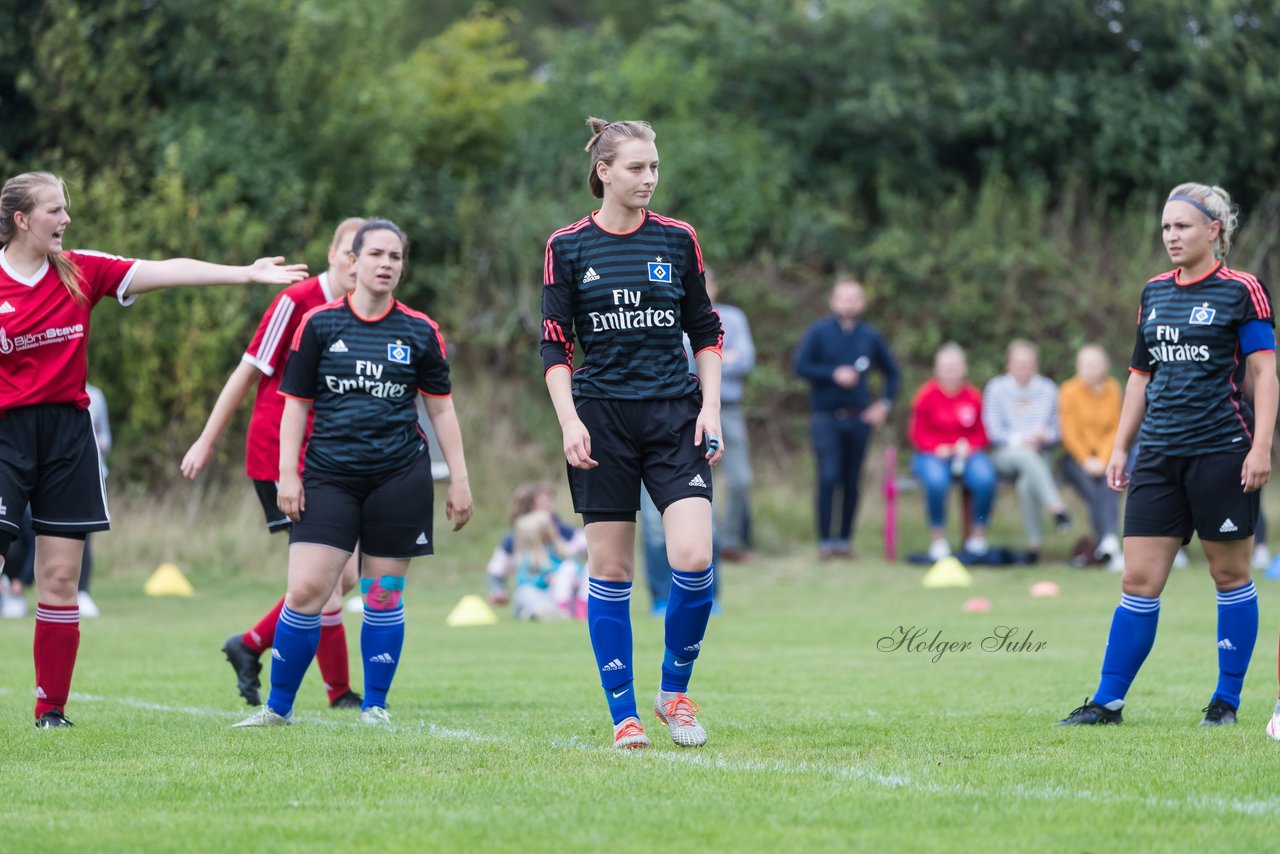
[(48, 456), (388, 514), (1173, 496), (267, 495), (635, 441)]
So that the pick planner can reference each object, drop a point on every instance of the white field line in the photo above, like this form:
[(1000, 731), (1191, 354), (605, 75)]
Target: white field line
[(701, 759)]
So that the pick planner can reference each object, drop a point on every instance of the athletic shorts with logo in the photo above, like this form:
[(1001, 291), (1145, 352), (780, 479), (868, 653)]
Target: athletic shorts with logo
[(49, 457), (1174, 496), (268, 497), (635, 441), (388, 514)]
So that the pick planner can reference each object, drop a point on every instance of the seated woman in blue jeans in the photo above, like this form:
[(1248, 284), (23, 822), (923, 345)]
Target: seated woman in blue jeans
[(947, 432)]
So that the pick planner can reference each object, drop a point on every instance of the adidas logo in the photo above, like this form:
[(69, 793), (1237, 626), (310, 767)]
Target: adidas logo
[(382, 658), (338, 347), (1228, 527), (1152, 315), (275, 655), (1226, 644), (694, 647), (422, 539), (698, 482), (613, 665), (590, 276), (40, 694), (6, 308)]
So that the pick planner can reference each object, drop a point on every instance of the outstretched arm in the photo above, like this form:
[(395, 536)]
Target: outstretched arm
[(187, 272), (232, 395)]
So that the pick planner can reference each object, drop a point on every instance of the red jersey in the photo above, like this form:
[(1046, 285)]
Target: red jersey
[(938, 418), (44, 330), (267, 352)]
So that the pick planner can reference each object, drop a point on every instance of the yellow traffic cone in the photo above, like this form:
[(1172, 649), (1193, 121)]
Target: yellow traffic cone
[(471, 610), (168, 580), (947, 572)]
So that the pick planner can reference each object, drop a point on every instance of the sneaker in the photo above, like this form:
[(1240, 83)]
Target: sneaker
[(659, 609), (1180, 560), (1109, 548), (1062, 521), (245, 663), (977, 545), (347, 700), (1116, 563), (580, 610), (375, 715), (1091, 713), (677, 715), (265, 717), (88, 608), (629, 735), (1261, 556), (52, 719), (355, 605), (1218, 713), (938, 549)]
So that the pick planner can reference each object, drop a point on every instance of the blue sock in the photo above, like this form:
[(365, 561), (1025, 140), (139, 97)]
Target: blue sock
[(297, 636), (609, 624), (1133, 631), (688, 610), (381, 639), (1237, 633)]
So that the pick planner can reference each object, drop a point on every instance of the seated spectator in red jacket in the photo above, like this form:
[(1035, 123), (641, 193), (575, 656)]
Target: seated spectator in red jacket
[(947, 432)]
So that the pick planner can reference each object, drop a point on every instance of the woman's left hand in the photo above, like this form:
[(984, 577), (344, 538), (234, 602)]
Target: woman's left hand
[(273, 271), (1256, 470), (708, 428), (457, 506)]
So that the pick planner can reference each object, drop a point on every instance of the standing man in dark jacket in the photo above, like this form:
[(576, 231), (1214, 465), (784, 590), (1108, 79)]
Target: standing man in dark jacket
[(835, 356)]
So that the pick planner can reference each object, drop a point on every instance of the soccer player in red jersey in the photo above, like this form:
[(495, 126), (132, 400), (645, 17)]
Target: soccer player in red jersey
[(627, 284), (264, 362), (48, 454)]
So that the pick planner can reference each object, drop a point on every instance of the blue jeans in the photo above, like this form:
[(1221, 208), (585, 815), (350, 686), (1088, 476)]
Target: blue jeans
[(935, 476), (839, 445)]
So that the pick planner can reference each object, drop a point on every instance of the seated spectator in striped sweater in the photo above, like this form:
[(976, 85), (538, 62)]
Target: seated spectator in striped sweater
[(1020, 414), (1089, 410)]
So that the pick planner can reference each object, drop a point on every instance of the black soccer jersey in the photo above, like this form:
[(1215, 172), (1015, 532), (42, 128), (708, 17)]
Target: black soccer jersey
[(362, 376), (627, 298), (1188, 340)]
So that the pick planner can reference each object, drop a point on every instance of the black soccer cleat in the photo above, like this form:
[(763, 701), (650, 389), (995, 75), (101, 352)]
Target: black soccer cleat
[(347, 700), (1219, 713), (55, 718), (244, 662), (1091, 714)]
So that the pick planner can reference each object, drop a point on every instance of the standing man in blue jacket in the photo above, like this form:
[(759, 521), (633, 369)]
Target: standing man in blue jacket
[(836, 355)]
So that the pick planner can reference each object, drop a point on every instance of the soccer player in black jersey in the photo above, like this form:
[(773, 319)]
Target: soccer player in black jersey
[(361, 361), (1201, 327), (626, 283)]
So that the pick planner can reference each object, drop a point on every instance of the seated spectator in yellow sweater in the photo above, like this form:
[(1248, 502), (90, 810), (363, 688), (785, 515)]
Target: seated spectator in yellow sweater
[(1089, 412)]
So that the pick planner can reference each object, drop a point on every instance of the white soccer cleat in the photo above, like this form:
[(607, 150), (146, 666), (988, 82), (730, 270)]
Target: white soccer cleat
[(88, 608), (1273, 725), (678, 715), (375, 715), (265, 717), (629, 735)]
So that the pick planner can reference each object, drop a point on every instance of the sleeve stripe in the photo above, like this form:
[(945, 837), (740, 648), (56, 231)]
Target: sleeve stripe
[(1261, 304), (548, 265), (275, 330)]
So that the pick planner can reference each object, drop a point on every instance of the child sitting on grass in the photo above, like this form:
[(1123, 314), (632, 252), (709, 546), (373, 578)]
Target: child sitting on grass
[(549, 582), (528, 497)]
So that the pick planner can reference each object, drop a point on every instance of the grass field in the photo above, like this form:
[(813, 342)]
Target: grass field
[(819, 740)]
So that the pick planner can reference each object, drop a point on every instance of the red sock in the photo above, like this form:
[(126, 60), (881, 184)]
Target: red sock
[(331, 655), (56, 643), (261, 636)]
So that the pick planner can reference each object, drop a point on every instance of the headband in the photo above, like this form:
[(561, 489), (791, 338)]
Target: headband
[(1197, 205)]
